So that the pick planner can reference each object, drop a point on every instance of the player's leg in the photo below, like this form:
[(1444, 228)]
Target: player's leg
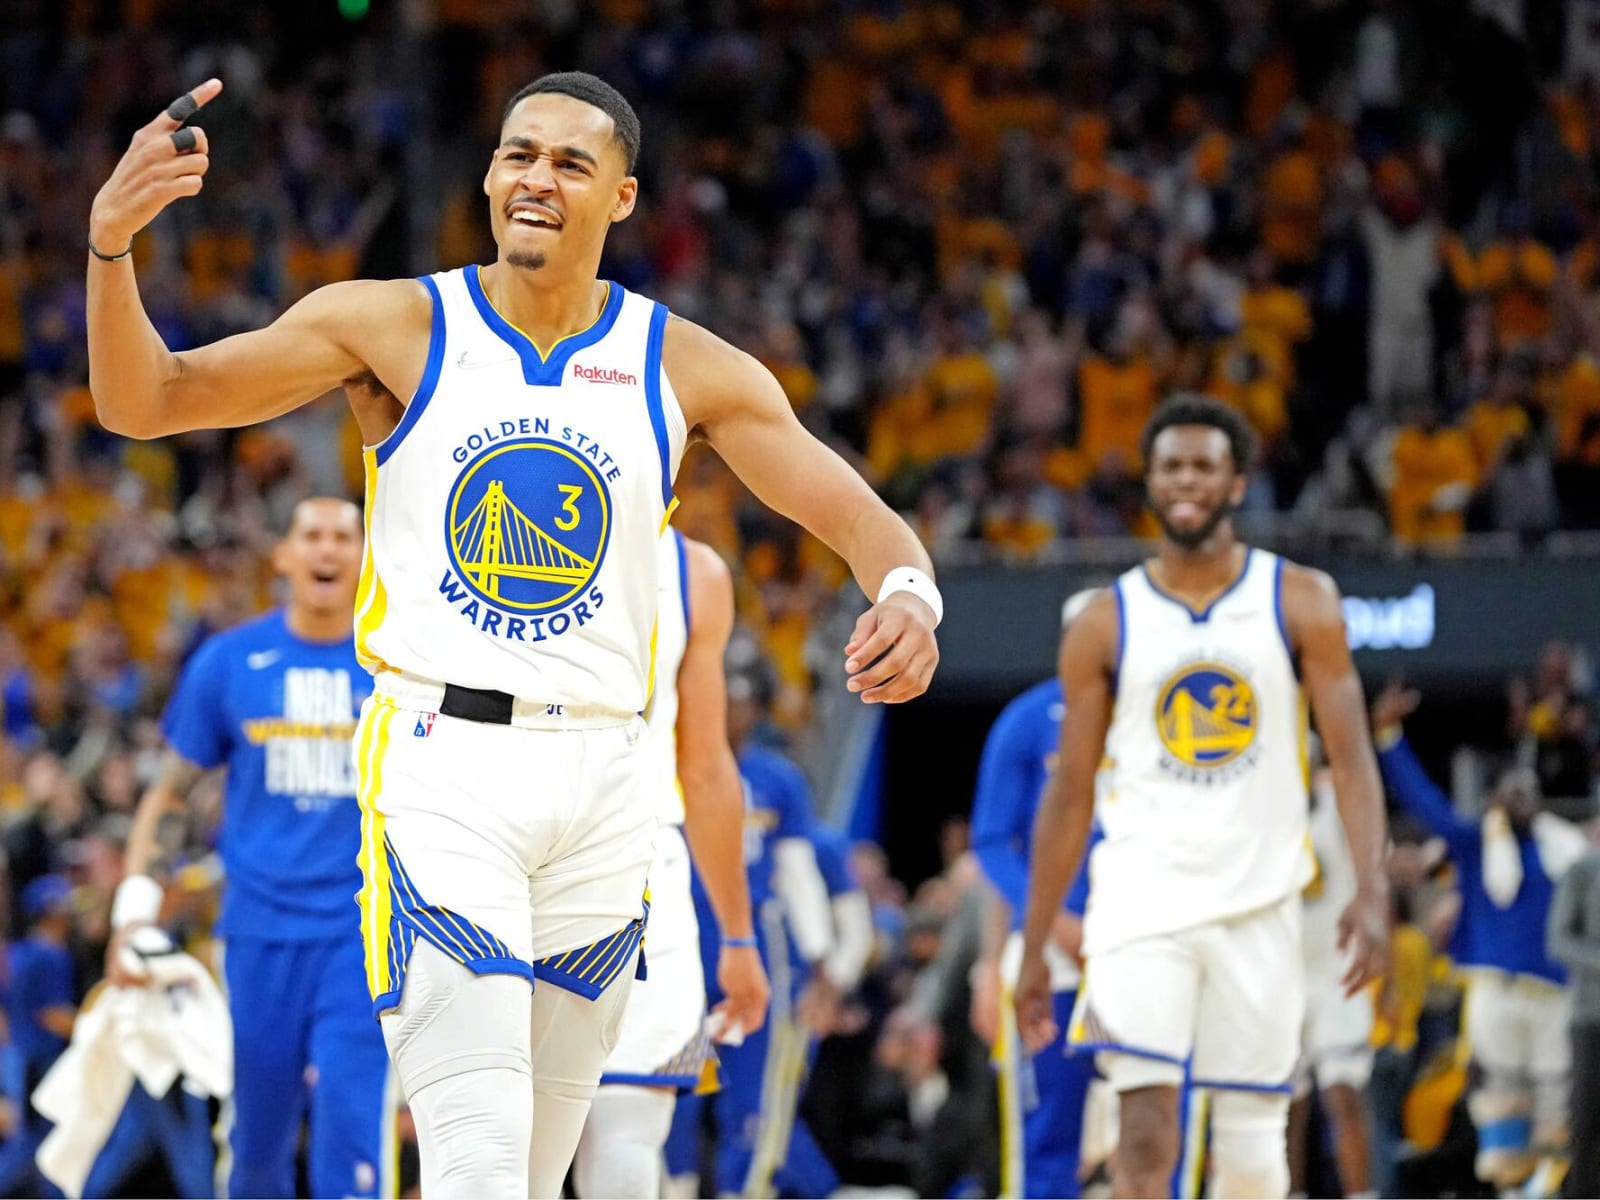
[(182, 1127), (270, 1003), (1341, 1042), (572, 1036), (354, 1146), (736, 1108), (1247, 1039), (1550, 1069), (1137, 1007), (130, 1142), (661, 1048), (683, 1146), (587, 897), (620, 1153), (1501, 1107), (460, 1044)]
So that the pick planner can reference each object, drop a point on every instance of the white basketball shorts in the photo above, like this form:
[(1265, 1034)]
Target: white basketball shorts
[(1336, 1039), (1220, 1002), (663, 1041), (516, 849), (1516, 1025)]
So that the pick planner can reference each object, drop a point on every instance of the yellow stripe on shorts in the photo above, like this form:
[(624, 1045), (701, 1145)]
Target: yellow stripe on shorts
[(374, 895), (372, 598)]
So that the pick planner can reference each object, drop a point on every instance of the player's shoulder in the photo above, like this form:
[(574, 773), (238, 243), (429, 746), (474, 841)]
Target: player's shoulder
[(371, 303), (1036, 702), (265, 631), (702, 563), (1306, 590), (710, 375)]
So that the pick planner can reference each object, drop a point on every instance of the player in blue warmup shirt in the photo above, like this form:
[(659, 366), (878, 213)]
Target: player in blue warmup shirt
[(754, 1110), (1507, 866), (275, 702), (1045, 1092)]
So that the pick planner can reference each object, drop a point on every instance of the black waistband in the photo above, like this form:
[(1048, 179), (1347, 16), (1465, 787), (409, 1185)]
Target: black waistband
[(477, 704)]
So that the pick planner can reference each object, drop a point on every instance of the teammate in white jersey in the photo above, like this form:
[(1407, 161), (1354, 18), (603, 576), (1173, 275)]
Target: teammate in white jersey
[(1186, 678), (523, 422), (1336, 1039), (692, 777)]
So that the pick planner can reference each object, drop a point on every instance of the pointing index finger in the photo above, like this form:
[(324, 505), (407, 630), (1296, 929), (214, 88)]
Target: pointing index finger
[(186, 105)]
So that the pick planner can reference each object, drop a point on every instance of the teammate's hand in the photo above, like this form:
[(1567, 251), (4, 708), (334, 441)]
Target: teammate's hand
[(155, 171), (820, 1005), (745, 992), (1036, 1018), (1364, 938), (1393, 705), (118, 973), (892, 652)]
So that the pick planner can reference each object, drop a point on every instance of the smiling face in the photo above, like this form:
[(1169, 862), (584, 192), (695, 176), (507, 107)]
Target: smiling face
[(557, 182), (1193, 482), (320, 556)]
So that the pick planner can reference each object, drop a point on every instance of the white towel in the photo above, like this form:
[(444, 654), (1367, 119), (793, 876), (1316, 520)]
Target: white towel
[(176, 1026)]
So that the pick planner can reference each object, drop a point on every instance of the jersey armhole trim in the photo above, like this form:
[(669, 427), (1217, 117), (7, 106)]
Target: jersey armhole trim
[(683, 579), (1277, 610), (430, 379), (652, 396), (1122, 636)]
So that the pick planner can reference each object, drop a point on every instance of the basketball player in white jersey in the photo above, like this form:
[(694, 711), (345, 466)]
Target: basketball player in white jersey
[(524, 422), (692, 777), (1186, 676), (1336, 1039)]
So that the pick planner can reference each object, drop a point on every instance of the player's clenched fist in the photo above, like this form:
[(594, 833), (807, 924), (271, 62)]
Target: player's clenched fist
[(165, 160)]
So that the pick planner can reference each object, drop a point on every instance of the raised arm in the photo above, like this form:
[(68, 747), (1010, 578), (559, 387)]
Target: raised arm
[(713, 796), (138, 898), (1066, 809), (1418, 794), (734, 403), (142, 389), (1315, 625)]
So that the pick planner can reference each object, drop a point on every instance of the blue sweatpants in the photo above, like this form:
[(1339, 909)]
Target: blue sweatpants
[(1041, 1110), (177, 1127), (306, 1045)]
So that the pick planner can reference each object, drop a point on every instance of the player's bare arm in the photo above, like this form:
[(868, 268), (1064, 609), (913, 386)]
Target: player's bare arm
[(713, 796), (1315, 624), (1066, 810), (138, 900), (141, 389), (735, 404)]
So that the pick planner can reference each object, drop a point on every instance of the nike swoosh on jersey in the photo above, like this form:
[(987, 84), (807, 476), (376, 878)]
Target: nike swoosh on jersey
[(467, 363), (262, 659)]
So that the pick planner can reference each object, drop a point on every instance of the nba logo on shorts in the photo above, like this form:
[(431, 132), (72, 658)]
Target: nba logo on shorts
[(424, 724)]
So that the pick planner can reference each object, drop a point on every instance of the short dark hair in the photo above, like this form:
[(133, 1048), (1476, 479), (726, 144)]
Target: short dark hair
[(1188, 408), (591, 89)]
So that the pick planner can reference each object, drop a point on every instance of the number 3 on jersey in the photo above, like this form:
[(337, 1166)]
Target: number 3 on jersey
[(569, 506)]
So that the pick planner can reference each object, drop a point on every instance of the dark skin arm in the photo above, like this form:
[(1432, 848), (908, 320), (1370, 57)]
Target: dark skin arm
[(1066, 810), (1315, 624)]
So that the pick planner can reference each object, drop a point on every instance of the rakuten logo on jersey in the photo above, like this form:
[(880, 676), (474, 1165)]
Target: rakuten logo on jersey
[(603, 375)]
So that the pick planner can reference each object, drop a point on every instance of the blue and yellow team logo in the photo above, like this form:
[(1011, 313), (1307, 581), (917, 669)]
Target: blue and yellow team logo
[(1206, 715), (527, 525)]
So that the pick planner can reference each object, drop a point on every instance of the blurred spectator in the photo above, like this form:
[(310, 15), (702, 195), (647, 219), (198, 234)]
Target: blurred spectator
[(1574, 939), (40, 1007), (1434, 474)]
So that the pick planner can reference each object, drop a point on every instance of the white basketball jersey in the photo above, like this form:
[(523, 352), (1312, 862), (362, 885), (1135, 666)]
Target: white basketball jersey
[(513, 515), (1333, 883), (660, 746), (1206, 817)]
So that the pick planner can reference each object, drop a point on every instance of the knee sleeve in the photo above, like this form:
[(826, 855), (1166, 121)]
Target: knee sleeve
[(460, 1044), (1550, 1118), (571, 1038), (1249, 1146), (619, 1153)]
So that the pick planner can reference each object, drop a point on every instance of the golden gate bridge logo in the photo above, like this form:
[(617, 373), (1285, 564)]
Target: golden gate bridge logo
[(527, 524), (1206, 715)]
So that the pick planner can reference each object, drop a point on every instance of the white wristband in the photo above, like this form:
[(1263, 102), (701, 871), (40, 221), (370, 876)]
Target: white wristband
[(138, 900), (909, 579)]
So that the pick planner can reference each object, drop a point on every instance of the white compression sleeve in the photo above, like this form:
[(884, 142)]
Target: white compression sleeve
[(571, 1038), (1249, 1144), (460, 1044), (620, 1153), (852, 939), (799, 884)]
